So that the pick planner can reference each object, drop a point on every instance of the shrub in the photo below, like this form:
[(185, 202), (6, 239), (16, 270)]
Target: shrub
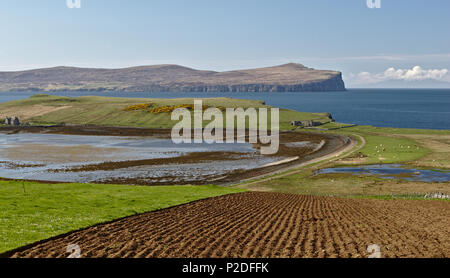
[(171, 108), (137, 107)]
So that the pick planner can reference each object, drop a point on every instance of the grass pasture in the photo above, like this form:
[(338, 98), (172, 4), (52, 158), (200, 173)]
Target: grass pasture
[(412, 147)]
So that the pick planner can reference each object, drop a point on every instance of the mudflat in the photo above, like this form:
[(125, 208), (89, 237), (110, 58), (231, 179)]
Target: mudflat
[(295, 148)]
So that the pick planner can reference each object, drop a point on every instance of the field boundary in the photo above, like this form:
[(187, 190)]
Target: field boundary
[(8, 254)]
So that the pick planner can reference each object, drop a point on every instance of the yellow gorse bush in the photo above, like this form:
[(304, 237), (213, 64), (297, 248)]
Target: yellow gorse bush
[(171, 108), (165, 108), (138, 107)]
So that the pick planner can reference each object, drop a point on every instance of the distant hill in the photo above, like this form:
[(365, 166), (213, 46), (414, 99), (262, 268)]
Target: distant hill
[(173, 78)]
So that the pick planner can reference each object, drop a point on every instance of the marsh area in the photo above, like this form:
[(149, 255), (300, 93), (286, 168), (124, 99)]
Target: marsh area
[(393, 171)]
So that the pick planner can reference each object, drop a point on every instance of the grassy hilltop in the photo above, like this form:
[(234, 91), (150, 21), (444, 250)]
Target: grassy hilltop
[(108, 111)]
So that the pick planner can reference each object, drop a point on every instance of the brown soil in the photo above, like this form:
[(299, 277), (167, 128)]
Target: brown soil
[(257, 225)]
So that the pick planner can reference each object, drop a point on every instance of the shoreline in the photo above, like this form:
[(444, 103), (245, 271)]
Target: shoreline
[(329, 144)]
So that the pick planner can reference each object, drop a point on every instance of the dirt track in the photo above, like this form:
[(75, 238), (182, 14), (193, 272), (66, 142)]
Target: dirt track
[(268, 225)]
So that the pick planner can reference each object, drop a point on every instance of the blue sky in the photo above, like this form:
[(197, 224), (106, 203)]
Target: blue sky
[(221, 35)]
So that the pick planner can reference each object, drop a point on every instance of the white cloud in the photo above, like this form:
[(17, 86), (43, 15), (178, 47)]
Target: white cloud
[(381, 57), (417, 73)]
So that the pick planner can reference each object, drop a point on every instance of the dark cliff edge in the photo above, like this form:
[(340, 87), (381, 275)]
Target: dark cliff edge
[(174, 78)]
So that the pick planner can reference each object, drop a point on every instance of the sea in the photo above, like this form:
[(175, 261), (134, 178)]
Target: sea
[(400, 108)]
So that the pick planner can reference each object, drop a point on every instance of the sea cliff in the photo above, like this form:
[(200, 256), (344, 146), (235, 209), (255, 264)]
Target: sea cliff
[(173, 78)]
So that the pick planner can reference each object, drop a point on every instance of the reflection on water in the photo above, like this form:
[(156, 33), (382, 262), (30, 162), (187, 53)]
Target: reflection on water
[(48, 148), (391, 171), (36, 156), (172, 173)]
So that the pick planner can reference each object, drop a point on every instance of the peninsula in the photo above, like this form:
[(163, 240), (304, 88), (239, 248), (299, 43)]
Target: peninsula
[(173, 78)]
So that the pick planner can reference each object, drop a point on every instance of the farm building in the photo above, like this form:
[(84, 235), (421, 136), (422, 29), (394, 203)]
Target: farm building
[(308, 123), (16, 121), (10, 121)]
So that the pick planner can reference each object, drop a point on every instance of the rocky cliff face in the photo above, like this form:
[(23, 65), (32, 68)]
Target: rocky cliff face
[(173, 78)]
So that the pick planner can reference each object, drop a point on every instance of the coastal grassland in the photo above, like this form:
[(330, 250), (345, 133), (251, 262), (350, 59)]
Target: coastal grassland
[(109, 111), (31, 211), (439, 155), (412, 148), (385, 149)]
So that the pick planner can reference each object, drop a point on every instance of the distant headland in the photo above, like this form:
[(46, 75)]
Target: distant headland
[(173, 78)]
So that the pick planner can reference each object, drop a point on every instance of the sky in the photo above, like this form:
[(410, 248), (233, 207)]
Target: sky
[(403, 40)]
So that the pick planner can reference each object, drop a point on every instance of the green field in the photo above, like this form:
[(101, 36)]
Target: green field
[(398, 145), (30, 212), (412, 147), (384, 149)]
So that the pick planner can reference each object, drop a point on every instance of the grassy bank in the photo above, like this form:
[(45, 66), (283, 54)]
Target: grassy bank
[(107, 111), (30, 212)]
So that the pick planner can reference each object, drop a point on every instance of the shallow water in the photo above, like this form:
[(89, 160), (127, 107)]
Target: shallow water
[(170, 173), (47, 148), (393, 171), (36, 156)]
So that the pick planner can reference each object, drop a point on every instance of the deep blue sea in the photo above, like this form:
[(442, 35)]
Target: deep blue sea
[(404, 108)]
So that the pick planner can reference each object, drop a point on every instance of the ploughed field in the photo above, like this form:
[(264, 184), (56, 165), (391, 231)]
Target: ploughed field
[(258, 225)]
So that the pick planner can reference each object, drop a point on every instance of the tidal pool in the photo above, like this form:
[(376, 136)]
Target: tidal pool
[(393, 171), (36, 156)]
